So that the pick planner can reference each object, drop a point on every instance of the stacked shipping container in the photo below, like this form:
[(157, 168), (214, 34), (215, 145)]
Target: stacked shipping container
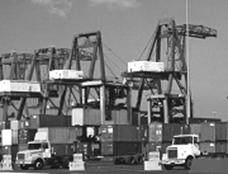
[(160, 135), (120, 140), (206, 132), (222, 137)]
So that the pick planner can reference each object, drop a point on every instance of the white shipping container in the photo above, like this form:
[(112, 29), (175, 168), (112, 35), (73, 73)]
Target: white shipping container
[(146, 66), (120, 117), (82, 116), (65, 74), (58, 135)]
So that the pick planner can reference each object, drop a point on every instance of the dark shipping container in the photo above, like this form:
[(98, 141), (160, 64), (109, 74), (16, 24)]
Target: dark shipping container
[(37, 121)]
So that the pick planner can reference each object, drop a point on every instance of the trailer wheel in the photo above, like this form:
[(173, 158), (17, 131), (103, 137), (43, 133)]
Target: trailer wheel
[(168, 167), (188, 163), (38, 164), (132, 160), (65, 163), (139, 160)]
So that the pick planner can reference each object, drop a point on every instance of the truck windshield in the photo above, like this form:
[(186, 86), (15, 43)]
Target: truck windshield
[(182, 140), (34, 146)]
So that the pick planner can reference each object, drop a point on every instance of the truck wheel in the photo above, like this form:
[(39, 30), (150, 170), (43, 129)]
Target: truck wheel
[(168, 167), (132, 160), (188, 163), (38, 165), (24, 167), (65, 163)]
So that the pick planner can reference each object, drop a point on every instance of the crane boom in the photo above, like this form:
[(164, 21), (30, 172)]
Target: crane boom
[(197, 31)]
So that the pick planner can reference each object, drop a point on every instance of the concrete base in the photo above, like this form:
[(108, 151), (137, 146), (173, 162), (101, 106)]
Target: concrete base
[(77, 166), (152, 165)]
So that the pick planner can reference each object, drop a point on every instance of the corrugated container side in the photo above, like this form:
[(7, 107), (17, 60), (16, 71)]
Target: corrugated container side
[(127, 148), (37, 121), (207, 147), (207, 132), (126, 133), (169, 130), (26, 135), (92, 117), (155, 132), (60, 135), (62, 149), (196, 129), (81, 116), (120, 133), (221, 131), (222, 147), (120, 117), (107, 148)]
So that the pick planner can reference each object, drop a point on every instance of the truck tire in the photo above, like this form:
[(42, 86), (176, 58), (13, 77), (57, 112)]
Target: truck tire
[(24, 167), (132, 160), (168, 167), (38, 164), (188, 163)]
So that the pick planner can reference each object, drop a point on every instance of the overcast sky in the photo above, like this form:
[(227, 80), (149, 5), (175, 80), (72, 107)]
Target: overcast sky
[(126, 26)]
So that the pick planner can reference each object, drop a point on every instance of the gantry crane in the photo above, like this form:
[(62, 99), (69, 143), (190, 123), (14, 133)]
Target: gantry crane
[(167, 102)]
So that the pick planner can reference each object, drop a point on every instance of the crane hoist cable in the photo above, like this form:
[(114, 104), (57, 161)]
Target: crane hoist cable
[(114, 54), (116, 77), (113, 62), (146, 46)]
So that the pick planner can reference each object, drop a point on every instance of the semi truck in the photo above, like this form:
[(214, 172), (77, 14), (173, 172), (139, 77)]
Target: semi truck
[(52, 147), (184, 148)]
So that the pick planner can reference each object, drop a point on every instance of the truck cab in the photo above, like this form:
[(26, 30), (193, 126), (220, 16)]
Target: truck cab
[(184, 149), (35, 155)]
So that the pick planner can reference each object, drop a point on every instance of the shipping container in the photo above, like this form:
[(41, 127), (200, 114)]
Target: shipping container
[(207, 132), (62, 149), (222, 147), (222, 131), (155, 132), (207, 147), (120, 133), (59, 135), (26, 135), (118, 148), (169, 130), (196, 129), (107, 148), (88, 116), (37, 121)]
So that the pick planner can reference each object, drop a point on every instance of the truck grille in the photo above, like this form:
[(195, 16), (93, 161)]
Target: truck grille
[(21, 156), (172, 153)]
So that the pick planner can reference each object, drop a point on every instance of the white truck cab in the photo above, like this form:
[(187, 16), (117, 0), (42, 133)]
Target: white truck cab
[(35, 155), (184, 148)]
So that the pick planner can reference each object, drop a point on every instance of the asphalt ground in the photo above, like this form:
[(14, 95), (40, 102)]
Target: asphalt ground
[(106, 167)]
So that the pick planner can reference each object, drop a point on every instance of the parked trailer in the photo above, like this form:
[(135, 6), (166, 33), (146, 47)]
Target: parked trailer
[(51, 147)]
